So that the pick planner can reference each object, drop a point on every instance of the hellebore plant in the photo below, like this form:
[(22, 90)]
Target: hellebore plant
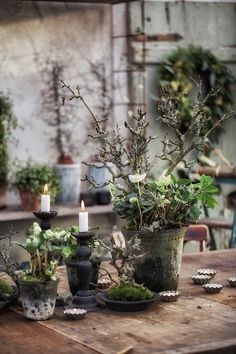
[(167, 202)]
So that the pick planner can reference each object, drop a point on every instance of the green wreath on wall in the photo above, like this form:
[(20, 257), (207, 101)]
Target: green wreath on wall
[(184, 63)]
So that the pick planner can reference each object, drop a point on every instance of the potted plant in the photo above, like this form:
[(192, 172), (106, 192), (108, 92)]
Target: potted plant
[(68, 244), (126, 295), (7, 123), (62, 122), (38, 285), (159, 210), (30, 180)]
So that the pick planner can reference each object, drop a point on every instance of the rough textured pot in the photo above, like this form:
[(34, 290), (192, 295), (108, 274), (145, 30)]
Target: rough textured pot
[(73, 276), (29, 200), (38, 298), (128, 306), (3, 188), (159, 268), (69, 183)]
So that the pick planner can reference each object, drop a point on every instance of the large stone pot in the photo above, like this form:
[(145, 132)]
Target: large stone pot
[(38, 298), (159, 268)]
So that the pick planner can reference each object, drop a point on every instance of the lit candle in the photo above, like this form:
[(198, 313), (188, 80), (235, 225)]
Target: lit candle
[(83, 219), (45, 200)]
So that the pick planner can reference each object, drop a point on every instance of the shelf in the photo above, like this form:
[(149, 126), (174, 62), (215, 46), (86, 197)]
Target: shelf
[(15, 213)]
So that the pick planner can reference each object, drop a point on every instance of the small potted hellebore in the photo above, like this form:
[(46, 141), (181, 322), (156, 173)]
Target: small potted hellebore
[(38, 285)]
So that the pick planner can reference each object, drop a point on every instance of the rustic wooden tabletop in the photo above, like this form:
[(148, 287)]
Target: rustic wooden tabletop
[(197, 323)]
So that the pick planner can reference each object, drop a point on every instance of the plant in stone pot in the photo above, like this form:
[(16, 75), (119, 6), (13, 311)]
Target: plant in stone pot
[(159, 210), (30, 181), (7, 123), (62, 123), (126, 295), (69, 245), (38, 285)]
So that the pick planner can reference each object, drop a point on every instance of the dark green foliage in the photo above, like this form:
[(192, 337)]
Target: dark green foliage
[(166, 203), (7, 122), (183, 64), (129, 292), (33, 177)]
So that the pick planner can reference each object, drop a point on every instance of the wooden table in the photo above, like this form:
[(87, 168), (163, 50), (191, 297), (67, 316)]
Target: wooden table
[(197, 323)]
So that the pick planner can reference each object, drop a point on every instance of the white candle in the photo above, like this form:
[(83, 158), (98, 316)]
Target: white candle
[(83, 219), (45, 200)]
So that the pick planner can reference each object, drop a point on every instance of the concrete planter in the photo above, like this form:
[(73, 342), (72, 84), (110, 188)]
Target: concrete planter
[(159, 269), (38, 298), (69, 183)]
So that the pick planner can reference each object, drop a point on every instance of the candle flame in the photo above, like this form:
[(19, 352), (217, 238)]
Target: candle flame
[(45, 189), (82, 206)]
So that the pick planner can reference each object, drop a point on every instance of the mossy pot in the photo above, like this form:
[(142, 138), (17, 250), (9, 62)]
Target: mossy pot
[(159, 268), (38, 298)]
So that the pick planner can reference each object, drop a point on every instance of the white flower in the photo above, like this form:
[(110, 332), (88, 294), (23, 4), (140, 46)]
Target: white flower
[(36, 229), (49, 233), (165, 180), (137, 178)]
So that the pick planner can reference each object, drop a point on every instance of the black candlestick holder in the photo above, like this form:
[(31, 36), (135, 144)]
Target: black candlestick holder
[(84, 298), (45, 218)]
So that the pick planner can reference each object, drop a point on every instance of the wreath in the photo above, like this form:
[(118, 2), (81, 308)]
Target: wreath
[(184, 63)]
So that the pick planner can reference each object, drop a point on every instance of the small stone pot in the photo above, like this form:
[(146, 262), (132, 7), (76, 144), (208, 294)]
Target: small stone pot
[(38, 298)]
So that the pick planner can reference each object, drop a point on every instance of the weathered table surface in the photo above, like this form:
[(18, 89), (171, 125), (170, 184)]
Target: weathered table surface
[(197, 323)]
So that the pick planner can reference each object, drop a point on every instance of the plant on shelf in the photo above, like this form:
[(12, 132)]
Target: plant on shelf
[(182, 64), (7, 123), (158, 211), (38, 285), (62, 122), (30, 180)]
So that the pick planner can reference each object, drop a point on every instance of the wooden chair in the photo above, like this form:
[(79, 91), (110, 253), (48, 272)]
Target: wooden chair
[(197, 233)]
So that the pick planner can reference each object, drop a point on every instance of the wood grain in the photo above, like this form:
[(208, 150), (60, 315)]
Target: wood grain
[(197, 323)]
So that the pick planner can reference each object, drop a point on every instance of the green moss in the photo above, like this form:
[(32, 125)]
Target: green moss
[(5, 289), (128, 292)]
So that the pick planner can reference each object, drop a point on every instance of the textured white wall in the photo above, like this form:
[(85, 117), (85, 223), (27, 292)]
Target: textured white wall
[(30, 36)]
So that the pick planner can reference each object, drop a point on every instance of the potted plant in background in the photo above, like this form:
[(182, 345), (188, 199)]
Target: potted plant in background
[(158, 211), (64, 139), (38, 285), (30, 180), (7, 123)]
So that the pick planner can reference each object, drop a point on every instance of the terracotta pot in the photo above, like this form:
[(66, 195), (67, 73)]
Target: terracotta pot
[(159, 268), (29, 200), (3, 188)]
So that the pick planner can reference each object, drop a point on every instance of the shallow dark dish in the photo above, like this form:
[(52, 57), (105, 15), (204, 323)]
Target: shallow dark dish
[(128, 306), (232, 282), (207, 271), (212, 288), (201, 279), (9, 300), (169, 296)]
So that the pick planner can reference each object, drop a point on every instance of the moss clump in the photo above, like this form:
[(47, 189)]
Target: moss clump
[(5, 289), (129, 292)]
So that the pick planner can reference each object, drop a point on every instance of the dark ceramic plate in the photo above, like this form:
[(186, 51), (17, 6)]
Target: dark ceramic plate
[(127, 306)]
